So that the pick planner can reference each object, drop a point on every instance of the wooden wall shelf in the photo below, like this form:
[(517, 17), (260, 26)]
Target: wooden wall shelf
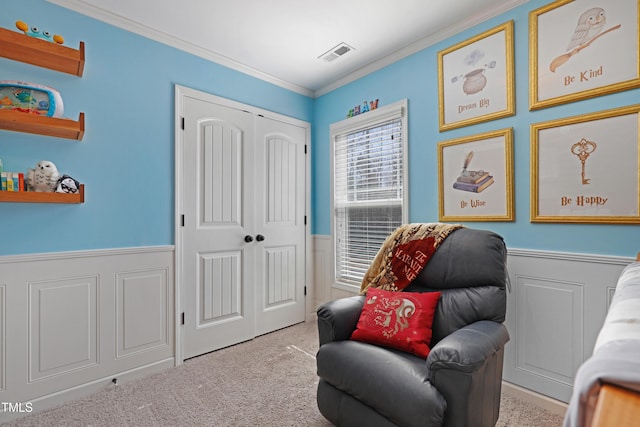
[(42, 125), (20, 47), (34, 197)]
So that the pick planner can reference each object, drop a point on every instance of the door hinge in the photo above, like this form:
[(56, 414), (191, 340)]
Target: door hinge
[(305, 291), (182, 318), (305, 148), (183, 123), (182, 220), (305, 220)]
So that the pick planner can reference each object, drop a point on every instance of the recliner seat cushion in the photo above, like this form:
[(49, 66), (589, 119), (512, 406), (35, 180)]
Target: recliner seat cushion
[(400, 381), (460, 307)]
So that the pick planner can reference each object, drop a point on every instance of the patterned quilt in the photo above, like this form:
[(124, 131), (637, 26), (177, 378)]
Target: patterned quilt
[(404, 254)]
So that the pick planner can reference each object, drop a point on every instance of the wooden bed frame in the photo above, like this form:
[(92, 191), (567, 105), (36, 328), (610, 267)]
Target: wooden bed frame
[(617, 407)]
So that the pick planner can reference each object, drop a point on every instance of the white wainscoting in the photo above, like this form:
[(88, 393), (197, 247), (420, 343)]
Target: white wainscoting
[(71, 322), (324, 289), (555, 308)]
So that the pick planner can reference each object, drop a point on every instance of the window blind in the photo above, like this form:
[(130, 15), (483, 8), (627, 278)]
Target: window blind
[(368, 194)]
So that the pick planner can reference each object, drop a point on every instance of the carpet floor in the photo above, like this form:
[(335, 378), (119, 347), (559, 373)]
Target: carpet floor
[(268, 381)]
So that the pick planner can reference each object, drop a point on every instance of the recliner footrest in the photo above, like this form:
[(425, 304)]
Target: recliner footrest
[(400, 380)]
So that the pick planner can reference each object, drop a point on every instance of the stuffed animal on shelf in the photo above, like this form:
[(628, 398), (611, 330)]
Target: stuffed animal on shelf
[(39, 34), (66, 184), (44, 178)]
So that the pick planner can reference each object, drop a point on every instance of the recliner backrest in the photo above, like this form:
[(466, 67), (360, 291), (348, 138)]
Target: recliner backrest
[(470, 269)]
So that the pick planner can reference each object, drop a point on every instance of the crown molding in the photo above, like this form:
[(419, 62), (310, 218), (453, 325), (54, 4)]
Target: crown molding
[(419, 45), (82, 7), (119, 21)]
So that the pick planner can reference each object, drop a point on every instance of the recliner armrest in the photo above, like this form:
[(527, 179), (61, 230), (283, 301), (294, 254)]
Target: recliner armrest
[(338, 319), (468, 348), (466, 368)]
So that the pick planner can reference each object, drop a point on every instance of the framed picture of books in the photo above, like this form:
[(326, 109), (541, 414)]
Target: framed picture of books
[(582, 49), (475, 79), (475, 177), (585, 168)]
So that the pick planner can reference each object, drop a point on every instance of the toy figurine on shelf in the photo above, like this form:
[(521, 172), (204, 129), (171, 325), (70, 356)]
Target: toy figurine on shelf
[(39, 34), (66, 184), (44, 178)]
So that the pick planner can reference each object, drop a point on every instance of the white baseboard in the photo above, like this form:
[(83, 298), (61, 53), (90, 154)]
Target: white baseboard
[(55, 399), (552, 405)]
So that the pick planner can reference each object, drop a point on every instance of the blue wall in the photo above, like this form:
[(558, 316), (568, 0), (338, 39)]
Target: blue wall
[(415, 78), (126, 158)]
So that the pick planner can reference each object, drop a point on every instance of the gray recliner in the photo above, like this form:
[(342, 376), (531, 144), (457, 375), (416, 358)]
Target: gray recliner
[(459, 384)]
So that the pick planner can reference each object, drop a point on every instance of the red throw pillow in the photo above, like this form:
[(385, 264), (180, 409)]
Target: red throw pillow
[(401, 320)]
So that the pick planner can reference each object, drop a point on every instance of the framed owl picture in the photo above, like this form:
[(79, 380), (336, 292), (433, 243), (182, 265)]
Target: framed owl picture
[(582, 49)]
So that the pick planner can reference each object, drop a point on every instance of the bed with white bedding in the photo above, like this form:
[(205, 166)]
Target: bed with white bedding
[(607, 387)]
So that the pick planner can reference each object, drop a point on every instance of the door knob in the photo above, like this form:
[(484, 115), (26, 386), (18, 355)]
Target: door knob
[(248, 239), (259, 237)]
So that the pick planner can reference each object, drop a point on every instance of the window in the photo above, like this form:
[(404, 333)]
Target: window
[(369, 187)]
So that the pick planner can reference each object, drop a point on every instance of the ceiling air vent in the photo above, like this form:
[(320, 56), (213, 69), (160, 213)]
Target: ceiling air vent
[(336, 52)]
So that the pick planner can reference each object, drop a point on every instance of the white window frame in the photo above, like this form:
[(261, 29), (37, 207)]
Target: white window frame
[(380, 115)]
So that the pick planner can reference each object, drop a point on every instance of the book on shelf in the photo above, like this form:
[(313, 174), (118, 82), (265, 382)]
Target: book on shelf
[(12, 181), (474, 188)]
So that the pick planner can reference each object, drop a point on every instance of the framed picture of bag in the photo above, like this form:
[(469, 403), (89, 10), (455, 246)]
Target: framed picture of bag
[(584, 169), (582, 49), (475, 177), (475, 79)]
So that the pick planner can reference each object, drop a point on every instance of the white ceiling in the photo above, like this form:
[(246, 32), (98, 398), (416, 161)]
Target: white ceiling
[(280, 40)]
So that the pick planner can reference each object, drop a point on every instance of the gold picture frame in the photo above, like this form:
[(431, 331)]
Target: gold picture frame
[(475, 177), (586, 169), (580, 50), (476, 79)]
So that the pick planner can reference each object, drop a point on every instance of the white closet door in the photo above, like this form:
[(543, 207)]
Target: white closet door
[(280, 220), (242, 247), (217, 263)]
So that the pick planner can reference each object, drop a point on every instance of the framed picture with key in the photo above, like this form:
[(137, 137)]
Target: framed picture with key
[(584, 169)]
